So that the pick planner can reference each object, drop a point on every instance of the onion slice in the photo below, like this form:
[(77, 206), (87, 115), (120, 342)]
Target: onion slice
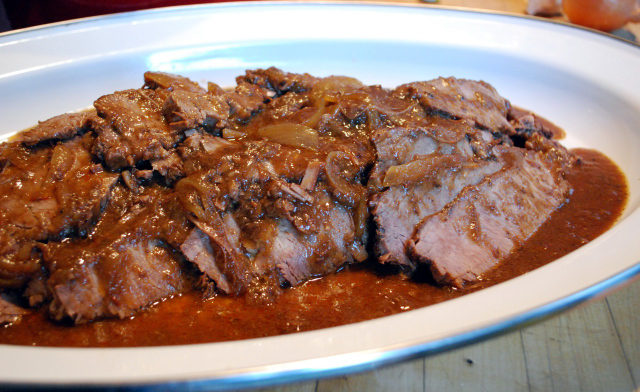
[(421, 169), (293, 135), (341, 175)]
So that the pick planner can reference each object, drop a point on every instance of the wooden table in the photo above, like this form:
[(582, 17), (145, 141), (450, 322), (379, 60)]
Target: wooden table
[(595, 347)]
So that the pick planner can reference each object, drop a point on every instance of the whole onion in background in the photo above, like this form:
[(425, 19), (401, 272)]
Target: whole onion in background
[(605, 15)]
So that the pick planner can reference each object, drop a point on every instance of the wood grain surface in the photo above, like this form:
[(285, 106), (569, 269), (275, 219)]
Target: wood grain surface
[(595, 347)]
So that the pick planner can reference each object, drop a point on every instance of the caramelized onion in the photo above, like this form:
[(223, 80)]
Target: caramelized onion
[(333, 85), (193, 196), (18, 267), (341, 174), (420, 169), (317, 115), (360, 216), (293, 135), (16, 270), (13, 283), (324, 91), (387, 103), (232, 134)]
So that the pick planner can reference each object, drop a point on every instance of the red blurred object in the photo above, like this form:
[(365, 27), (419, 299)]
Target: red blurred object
[(605, 15), (26, 13)]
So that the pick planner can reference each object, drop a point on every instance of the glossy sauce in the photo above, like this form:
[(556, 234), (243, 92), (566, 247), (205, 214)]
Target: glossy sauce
[(357, 293)]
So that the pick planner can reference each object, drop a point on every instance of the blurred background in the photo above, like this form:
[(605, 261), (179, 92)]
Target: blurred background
[(17, 14), (618, 16)]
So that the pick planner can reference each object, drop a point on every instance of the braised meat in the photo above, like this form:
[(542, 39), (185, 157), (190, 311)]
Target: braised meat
[(398, 210), (249, 204), (47, 193), (173, 187), (62, 127), (422, 169), (127, 262), (10, 312), (476, 101), (487, 221)]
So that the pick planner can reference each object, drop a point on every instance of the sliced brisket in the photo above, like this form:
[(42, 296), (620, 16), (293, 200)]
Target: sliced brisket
[(299, 256), (526, 122), (476, 101), (423, 168), (246, 100), (254, 220), (197, 249), (47, 193), (188, 110), (400, 145), (265, 186), (488, 221), (126, 264), (134, 130), (10, 313), (60, 127), (113, 278), (278, 81), (398, 210)]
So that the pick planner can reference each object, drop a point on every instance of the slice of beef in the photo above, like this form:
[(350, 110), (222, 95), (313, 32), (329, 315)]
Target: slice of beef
[(398, 210), (299, 256), (373, 104), (246, 100), (125, 265), (62, 127), (186, 105), (259, 222), (145, 125), (200, 149), (527, 122), (188, 110), (112, 278), (488, 221), (286, 108), (437, 160), (235, 256), (278, 81), (228, 265), (135, 129), (48, 193), (170, 167), (288, 253), (82, 189), (539, 134), (400, 145), (197, 249), (10, 313), (476, 101)]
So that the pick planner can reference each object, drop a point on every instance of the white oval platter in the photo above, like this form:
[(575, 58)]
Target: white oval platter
[(588, 83)]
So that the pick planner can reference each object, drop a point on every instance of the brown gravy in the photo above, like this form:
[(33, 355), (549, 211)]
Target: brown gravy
[(356, 294)]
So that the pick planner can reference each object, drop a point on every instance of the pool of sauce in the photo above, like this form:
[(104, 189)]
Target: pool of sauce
[(357, 293)]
